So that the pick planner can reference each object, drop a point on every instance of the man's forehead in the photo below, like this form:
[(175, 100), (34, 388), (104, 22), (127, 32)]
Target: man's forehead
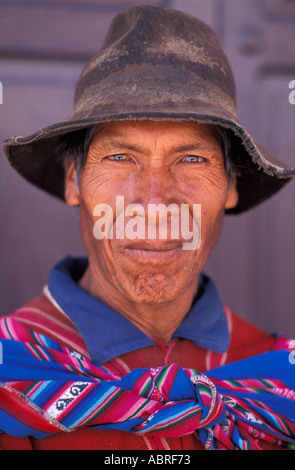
[(120, 132)]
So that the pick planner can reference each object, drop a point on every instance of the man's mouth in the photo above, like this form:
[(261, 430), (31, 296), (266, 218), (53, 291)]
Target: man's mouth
[(153, 251)]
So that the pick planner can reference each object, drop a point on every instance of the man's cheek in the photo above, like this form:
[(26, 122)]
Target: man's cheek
[(211, 226)]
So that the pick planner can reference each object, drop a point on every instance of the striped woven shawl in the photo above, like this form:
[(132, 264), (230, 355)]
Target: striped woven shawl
[(47, 388)]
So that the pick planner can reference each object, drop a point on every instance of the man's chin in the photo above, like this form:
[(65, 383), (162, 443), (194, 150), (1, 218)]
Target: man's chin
[(152, 289), (154, 281)]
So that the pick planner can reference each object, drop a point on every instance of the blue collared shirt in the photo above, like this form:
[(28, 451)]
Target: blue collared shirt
[(108, 334)]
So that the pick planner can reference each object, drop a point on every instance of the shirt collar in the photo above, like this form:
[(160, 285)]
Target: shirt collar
[(108, 334)]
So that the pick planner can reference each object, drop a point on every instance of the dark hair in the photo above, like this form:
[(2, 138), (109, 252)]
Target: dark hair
[(226, 146), (75, 145)]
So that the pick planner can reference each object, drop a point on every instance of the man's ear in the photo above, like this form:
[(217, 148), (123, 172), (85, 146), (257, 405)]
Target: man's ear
[(72, 195), (232, 195)]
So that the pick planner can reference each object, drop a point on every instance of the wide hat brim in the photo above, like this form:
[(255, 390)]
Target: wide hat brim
[(161, 80)]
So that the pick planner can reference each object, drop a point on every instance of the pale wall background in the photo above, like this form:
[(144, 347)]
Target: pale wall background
[(43, 47)]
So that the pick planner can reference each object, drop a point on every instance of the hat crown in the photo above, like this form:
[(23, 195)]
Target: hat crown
[(156, 37)]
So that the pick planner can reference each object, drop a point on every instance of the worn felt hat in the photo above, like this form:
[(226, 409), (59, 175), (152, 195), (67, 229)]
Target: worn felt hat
[(156, 63)]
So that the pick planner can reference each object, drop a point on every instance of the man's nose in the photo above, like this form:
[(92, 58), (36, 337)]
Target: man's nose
[(156, 204), (155, 186)]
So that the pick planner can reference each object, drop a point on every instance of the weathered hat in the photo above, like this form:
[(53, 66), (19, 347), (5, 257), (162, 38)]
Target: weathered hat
[(156, 63)]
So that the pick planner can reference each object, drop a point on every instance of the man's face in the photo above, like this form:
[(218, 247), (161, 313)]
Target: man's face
[(151, 162)]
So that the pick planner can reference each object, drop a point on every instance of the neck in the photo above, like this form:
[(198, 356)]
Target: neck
[(157, 321)]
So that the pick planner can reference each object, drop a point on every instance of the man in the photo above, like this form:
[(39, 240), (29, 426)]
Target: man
[(132, 348)]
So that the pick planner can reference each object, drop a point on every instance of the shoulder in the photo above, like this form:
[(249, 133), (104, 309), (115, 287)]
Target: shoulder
[(246, 339), (40, 316)]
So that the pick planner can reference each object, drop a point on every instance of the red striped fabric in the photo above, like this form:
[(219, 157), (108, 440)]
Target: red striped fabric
[(42, 315)]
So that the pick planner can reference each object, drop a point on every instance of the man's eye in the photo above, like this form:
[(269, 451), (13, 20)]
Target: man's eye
[(118, 158), (194, 159)]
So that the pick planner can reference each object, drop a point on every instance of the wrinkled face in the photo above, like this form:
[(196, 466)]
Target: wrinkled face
[(145, 163)]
